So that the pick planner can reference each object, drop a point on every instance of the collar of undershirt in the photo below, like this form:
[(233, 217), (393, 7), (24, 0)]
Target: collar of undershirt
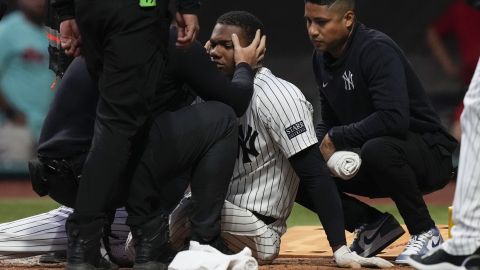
[(334, 63)]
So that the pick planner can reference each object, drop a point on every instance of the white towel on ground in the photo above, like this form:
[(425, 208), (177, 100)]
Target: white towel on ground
[(205, 257), (344, 164)]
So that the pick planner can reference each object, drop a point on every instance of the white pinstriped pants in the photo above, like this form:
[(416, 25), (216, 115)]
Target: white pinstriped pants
[(45, 233), (240, 228), (466, 204)]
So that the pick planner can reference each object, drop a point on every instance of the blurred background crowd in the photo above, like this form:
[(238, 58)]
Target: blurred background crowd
[(441, 38)]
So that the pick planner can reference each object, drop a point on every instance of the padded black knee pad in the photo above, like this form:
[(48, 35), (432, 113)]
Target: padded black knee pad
[(61, 186), (39, 183)]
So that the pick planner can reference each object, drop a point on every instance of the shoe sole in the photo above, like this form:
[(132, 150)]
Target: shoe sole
[(440, 266), (388, 239), (150, 266), (51, 260)]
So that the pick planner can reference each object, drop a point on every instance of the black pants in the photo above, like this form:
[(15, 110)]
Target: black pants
[(201, 138), (401, 169), (124, 47), (67, 130)]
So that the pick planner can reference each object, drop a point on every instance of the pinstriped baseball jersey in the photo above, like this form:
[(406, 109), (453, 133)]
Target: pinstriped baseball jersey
[(277, 125), (466, 204)]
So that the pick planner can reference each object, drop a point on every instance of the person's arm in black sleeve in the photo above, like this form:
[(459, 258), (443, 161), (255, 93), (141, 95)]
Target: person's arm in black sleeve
[(327, 118), (319, 193), (387, 85), (64, 8), (195, 68), (188, 6)]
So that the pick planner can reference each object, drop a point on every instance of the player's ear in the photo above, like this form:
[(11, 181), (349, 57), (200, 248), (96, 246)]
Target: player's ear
[(349, 19)]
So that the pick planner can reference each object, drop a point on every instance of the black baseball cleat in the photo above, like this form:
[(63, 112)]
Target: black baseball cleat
[(83, 250), (439, 259), (472, 262), (152, 247), (372, 238)]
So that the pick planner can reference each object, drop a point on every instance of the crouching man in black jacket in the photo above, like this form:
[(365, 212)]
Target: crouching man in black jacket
[(372, 100)]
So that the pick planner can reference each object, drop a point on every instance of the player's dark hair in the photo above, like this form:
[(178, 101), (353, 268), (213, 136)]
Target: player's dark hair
[(245, 20), (343, 5)]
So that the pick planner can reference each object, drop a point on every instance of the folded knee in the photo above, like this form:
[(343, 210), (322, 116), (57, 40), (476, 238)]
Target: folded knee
[(377, 152), (264, 259)]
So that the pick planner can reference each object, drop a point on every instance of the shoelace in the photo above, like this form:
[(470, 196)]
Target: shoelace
[(416, 242)]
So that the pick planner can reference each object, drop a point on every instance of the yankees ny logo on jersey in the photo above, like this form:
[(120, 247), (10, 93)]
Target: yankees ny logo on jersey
[(243, 140), (348, 79), (277, 125)]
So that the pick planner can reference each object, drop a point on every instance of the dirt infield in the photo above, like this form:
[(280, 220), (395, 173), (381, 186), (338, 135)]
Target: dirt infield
[(303, 247), (279, 264), (16, 189), (19, 189), (310, 264)]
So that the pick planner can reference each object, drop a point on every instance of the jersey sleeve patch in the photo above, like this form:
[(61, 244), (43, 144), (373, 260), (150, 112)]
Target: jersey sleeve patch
[(295, 130)]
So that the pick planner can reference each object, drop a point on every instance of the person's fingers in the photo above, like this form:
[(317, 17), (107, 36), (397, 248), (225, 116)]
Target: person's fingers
[(180, 20), (70, 51), (180, 32), (75, 29), (189, 34), (190, 26), (195, 34), (65, 43), (69, 47), (180, 37), (260, 58), (188, 37), (236, 42), (264, 52), (256, 40), (262, 46), (182, 44), (208, 46)]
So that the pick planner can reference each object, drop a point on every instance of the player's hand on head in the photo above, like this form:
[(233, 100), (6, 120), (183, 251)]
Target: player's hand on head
[(188, 28), (208, 46), (70, 39), (253, 54)]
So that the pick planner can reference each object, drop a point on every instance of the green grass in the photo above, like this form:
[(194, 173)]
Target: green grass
[(302, 216), (11, 209)]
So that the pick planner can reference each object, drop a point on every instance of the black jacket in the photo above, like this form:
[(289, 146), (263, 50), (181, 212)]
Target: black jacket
[(372, 91), (66, 8)]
